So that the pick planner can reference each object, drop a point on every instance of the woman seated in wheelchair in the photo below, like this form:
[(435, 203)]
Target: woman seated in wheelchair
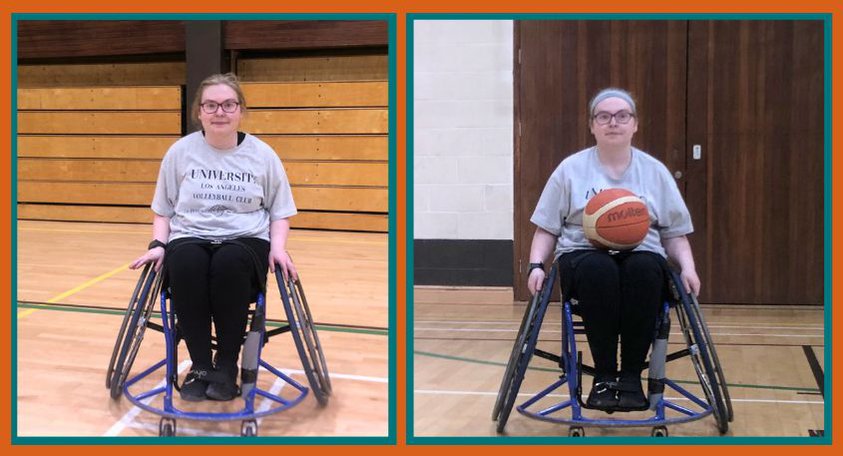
[(620, 294), (221, 210)]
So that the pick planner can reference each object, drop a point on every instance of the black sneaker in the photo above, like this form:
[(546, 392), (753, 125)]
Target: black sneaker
[(224, 384), (603, 395), (222, 391), (194, 386), (630, 393)]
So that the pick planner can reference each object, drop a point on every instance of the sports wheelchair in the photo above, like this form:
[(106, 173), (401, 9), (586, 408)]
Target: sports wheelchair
[(150, 289), (699, 348)]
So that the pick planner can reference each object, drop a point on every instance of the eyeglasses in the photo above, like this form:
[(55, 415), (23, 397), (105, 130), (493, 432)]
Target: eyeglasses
[(622, 117), (210, 107)]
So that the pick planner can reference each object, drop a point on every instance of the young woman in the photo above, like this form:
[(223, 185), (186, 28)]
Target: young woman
[(620, 293), (222, 204)]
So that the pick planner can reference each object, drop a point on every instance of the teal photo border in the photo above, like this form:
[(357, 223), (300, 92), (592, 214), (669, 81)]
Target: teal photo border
[(826, 439), (390, 438)]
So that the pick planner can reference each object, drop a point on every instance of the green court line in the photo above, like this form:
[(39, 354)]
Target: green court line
[(101, 311), (545, 369)]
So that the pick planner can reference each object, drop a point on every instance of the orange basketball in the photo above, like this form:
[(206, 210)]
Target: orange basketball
[(615, 219)]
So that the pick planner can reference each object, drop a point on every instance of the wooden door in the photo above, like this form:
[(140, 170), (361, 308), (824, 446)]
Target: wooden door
[(560, 65), (749, 93), (755, 106)]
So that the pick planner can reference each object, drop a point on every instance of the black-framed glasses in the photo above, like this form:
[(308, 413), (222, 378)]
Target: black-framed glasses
[(210, 107), (621, 117)]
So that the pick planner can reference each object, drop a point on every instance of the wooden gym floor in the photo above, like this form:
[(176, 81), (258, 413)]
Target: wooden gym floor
[(772, 358), (73, 286)]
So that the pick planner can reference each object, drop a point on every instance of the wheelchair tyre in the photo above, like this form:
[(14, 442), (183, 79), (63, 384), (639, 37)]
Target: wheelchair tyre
[(721, 379), (118, 344), (509, 372), (526, 351), (315, 347), (576, 431), (301, 331), (167, 427), (702, 363), (135, 332)]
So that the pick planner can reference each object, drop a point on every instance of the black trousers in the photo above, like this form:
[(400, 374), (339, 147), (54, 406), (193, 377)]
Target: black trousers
[(215, 283), (620, 297)]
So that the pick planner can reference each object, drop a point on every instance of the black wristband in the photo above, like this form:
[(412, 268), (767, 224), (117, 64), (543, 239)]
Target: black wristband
[(535, 266), (156, 243)]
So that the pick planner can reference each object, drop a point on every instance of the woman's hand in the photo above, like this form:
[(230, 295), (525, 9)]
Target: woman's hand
[(535, 280), (281, 257), (154, 255), (690, 280)]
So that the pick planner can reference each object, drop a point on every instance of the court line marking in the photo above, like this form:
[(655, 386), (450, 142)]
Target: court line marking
[(129, 416), (78, 288), (559, 331), (487, 393), (128, 419)]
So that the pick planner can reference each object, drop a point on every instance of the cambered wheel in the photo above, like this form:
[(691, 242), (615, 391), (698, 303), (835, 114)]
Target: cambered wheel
[(167, 427), (525, 352), (718, 368), (659, 431), (700, 357), (576, 431), (514, 356), (134, 332), (304, 337), (124, 326), (249, 428)]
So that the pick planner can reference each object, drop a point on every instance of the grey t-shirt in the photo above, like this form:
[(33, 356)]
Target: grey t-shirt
[(222, 194), (581, 176)]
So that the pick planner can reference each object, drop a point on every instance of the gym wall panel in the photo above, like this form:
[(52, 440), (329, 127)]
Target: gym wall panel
[(313, 121), (96, 98), (314, 68), (123, 146), (93, 153), (332, 139), (63, 75)]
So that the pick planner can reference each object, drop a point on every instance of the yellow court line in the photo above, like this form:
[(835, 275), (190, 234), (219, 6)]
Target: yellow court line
[(77, 289)]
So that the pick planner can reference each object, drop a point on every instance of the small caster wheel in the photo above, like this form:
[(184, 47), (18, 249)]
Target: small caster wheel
[(659, 431), (167, 427), (249, 428), (576, 431)]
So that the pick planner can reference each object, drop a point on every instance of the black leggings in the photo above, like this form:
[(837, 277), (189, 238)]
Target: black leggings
[(215, 282), (619, 295)]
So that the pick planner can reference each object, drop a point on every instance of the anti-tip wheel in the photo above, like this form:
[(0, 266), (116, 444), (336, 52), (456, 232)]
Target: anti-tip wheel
[(576, 431), (249, 428), (167, 427), (659, 431)]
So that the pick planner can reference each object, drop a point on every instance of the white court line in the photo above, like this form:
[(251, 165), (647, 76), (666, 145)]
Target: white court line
[(485, 393), (128, 419), (753, 326), (559, 331)]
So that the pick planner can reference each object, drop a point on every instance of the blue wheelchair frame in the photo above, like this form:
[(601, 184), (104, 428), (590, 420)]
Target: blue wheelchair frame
[(699, 348), (137, 319)]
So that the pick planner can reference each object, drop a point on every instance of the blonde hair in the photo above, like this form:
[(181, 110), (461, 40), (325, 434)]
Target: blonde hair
[(227, 79)]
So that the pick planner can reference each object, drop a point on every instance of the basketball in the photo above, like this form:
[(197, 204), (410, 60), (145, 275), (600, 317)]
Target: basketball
[(615, 219)]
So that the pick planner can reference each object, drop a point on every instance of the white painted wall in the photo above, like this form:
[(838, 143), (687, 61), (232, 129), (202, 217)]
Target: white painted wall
[(463, 122)]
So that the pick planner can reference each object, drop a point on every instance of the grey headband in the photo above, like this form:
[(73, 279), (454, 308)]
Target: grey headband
[(611, 93)]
